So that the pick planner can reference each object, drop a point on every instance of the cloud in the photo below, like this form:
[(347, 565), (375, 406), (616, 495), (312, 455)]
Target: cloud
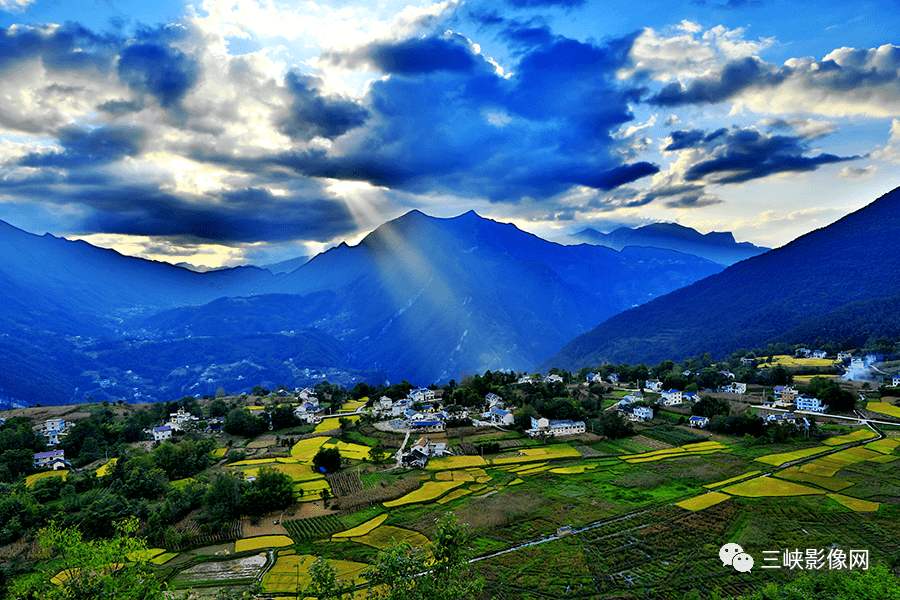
[(739, 155), (313, 114), (731, 80), (90, 147), (805, 127), (15, 5), (160, 70), (408, 57), (856, 173), (694, 201)]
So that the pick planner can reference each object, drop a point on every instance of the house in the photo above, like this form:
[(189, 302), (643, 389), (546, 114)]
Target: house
[(672, 397), (55, 424), (785, 395), (643, 413), (553, 378), (421, 395), (594, 378), (555, 428), (426, 424), (307, 394), (52, 436), (632, 397), (161, 434), (842, 356), (686, 373), (654, 385), (728, 374), (746, 361), (614, 378), (501, 417), (804, 402), (43, 459), (525, 380), (895, 381), (698, 421), (493, 400), (819, 354), (735, 387), (802, 352), (691, 397)]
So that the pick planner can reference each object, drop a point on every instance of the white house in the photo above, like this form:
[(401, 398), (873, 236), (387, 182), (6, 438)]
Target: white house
[(728, 374), (421, 395), (307, 394), (614, 378), (735, 387), (52, 436), (526, 379), (493, 400), (697, 421), (746, 361), (895, 381), (654, 385), (643, 413), (691, 397), (632, 397), (163, 433), (55, 424), (842, 356), (553, 428), (672, 397), (554, 378), (44, 459), (819, 354), (501, 417), (804, 402)]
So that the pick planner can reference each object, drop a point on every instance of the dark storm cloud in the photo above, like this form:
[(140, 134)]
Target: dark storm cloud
[(409, 57), (161, 71), (313, 114), (694, 201), (69, 47), (740, 155), (735, 77), (88, 147)]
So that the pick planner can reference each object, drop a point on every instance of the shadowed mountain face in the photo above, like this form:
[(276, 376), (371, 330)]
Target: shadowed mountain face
[(420, 298), (719, 247), (836, 284)]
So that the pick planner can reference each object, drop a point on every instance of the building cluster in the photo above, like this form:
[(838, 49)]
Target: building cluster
[(422, 451), (177, 422), (542, 427), (789, 398), (54, 429)]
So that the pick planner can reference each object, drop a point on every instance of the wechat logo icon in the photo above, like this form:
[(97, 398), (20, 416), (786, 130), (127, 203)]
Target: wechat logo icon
[(733, 555)]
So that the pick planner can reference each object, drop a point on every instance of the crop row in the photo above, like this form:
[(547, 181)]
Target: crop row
[(313, 527)]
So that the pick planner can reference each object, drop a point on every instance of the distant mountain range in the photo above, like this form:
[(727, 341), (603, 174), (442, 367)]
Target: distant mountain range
[(837, 284), (719, 247), (419, 298)]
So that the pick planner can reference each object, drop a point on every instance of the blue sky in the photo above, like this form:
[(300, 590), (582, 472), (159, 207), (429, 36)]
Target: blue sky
[(235, 131)]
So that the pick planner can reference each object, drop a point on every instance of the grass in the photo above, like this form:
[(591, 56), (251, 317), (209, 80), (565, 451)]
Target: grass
[(731, 480), (855, 504), (362, 529), (263, 541), (779, 459), (163, 558), (856, 436), (430, 490), (764, 487), (703, 501), (884, 408)]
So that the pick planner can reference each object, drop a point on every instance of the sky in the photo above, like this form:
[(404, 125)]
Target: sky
[(225, 132)]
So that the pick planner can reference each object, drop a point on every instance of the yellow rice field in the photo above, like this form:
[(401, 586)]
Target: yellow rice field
[(731, 480), (430, 490), (307, 448), (517, 481), (163, 558), (855, 504), (453, 495), (107, 467), (384, 536), (477, 487), (884, 458), (885, 446), (765, 487), (703, 501), (832, 484), (362, 529), (856, 436), (699, 449), (219, 452), (31, 479), (884, 408), (790, 361), (454, 462), (783, 457), (459, 475), (828, 466), (262, 541), (533, 470), (292, 570)]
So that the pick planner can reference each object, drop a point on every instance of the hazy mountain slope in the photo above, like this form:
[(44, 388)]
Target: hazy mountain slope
[(719, 247), (758, 300)]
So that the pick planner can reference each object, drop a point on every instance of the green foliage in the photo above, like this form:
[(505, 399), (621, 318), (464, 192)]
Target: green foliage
[(114, 569), (240, 422), (327, 460), (272, 490), (876, 583), (613, 425), (324, 583), (711, 407), (223, 498), (830, 393), (184, 458)]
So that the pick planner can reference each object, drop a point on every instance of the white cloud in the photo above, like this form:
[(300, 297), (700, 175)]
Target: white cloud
[(15, 5), (856, 173)]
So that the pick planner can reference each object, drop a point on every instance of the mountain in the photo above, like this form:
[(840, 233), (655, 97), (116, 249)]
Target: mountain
[(286, 266), (429, 299), (837, 284), (419, 298), (719, 247)]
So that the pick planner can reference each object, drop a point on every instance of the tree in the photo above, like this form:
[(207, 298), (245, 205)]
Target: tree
[(327, 460), (405, 572), (272, 490), (377, 455), (113, 569)]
